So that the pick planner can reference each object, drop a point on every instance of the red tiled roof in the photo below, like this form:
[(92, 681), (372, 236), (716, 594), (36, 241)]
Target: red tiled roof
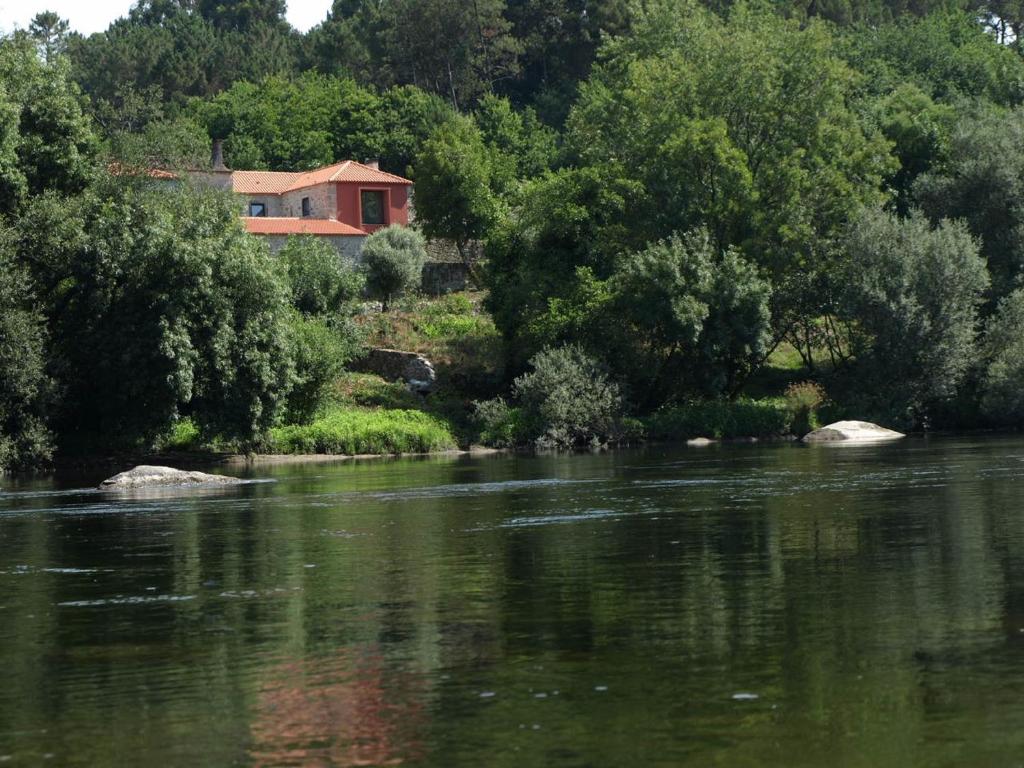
[(268, 225), (278, 182)]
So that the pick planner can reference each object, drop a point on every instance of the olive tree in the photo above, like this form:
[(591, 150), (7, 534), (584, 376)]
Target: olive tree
[(393, 259), (912, 294)]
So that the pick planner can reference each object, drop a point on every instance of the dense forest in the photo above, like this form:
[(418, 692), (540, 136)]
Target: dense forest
[(657, 196)]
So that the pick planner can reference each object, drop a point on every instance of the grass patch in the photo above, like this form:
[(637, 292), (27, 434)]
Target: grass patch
[(769, 417), (454, 332), (347, 431)]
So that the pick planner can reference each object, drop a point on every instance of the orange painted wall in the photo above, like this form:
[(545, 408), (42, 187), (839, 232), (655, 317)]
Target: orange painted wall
[(396, 204)]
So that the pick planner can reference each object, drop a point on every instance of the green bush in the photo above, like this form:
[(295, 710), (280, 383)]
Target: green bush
[(721, 419), (911, 294), (319, 349), (393, 259), (322, 281), (566, 401), (24, 385), (501, 425), (351, 432), (803, 400), (1002, 385)]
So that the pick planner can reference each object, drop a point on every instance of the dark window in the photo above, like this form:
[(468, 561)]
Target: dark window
[(257, 209), (373, 207), (306, 208)]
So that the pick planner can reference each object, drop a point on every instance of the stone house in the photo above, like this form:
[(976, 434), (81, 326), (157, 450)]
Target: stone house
[(342, 203)]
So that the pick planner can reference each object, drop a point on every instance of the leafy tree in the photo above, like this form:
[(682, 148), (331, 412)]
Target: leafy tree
[(55, 145), (912, 293), (775, 162), (948, 55), (25, 390), (322, 282), (50, 32), (160, 306), (919, 130), (982, 182), (1002, 397), (520, 147), (454, 200), (691, 320), (393, 258), (181, 143)]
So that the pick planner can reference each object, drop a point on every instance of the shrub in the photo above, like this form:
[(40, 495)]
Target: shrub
[(1002, 398), (568, 399), (352, 432), (501, 425), (912, 293), (322, 281), (721, 419), (803, 400), (393, 259), (24, 386), (319, 349)]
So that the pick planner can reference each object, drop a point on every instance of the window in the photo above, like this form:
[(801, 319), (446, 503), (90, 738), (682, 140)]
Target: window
[(257, 209), (306, 208), (373, 206)]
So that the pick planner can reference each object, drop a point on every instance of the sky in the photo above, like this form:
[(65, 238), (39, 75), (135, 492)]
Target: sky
[(88, 16)]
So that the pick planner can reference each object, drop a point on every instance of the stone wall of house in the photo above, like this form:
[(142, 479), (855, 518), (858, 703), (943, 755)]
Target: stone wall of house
[(442, 277), (349, 246), (323, 202), (273, 203)]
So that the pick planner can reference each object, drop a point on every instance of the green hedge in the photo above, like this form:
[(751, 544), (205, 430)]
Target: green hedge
[(721, 419), (350, 432)]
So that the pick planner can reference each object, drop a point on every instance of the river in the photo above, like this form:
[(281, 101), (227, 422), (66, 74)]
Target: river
[(775, 605)]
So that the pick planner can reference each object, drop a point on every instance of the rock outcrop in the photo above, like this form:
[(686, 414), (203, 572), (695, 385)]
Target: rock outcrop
[(394, 365), (162, 477), (852, 432)]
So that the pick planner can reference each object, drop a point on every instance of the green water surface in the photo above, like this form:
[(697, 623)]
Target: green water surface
[(772, 605)]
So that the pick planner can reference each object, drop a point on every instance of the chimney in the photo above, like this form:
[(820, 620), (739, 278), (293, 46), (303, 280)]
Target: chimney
[(374, 163), (217, 157)]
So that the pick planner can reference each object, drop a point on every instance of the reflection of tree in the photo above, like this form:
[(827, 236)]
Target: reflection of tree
[(334, 711)]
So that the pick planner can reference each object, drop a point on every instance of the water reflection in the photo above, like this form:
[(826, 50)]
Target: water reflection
[(740, 606)]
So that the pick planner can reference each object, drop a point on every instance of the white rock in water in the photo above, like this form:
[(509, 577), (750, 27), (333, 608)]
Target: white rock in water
[(852, 432), (152, 477)]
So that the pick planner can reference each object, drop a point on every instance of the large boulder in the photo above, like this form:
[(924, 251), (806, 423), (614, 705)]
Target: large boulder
[(394, 365), (852, 432), (162, 477)]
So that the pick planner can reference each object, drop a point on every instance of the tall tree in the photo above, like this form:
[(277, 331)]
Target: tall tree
[(50, 31)]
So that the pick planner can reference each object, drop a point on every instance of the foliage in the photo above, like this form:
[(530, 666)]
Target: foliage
[(500, 424), (913, 293), (803, 400), (159, 306), (25, 388), (721, 420), (567, 399), (454, 200), (353, 432), (947, 54), (775, 162), (42, 121), (322, 281), (393, 259), (1002, 396), (319, 349), (982, 182)]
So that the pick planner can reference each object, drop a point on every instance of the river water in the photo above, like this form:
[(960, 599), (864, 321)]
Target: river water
[(775, 605)]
